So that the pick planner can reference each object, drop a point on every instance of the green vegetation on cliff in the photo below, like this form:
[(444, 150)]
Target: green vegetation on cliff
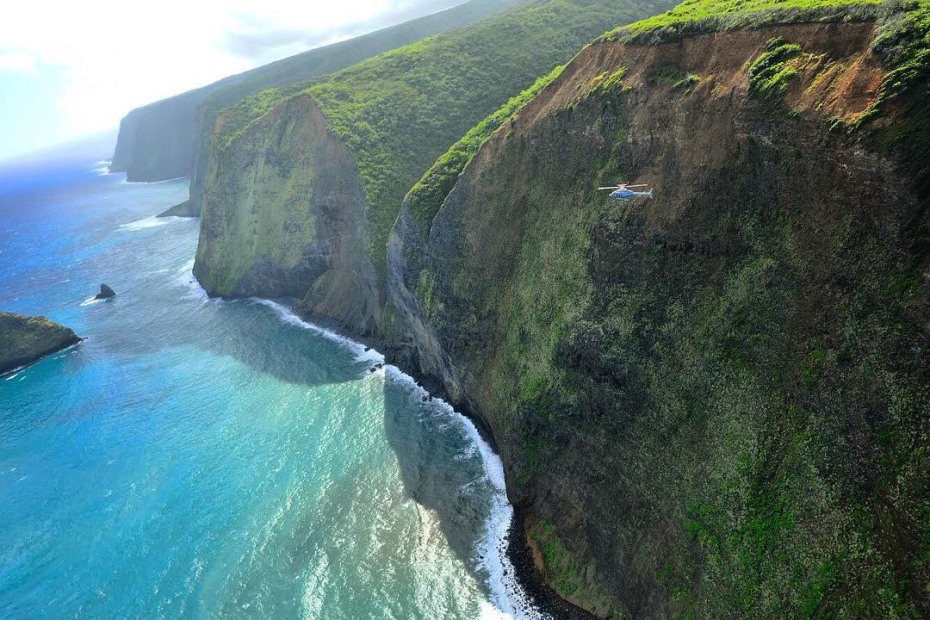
[(699, 16), (904, 42), (426, 196), (400, 111), (770, 74), (565, 574)]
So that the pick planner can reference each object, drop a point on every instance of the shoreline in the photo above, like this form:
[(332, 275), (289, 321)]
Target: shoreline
[(515, 549), (544, 597)]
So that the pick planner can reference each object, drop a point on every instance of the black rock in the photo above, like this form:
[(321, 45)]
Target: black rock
[(105, 292)]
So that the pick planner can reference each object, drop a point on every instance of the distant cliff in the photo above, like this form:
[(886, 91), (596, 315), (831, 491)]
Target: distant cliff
[(160, 141), (155, 142), (24, 340)]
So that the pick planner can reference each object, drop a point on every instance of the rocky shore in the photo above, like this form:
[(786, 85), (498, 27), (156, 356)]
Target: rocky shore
[(26, 339)]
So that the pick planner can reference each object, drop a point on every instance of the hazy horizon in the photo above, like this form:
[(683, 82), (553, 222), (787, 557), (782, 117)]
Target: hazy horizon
[(78, 76)]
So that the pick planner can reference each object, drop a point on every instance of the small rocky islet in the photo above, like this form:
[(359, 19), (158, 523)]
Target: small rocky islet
[(105, 292), (27, 339)]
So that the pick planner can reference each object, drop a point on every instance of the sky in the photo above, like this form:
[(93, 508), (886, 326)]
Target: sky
[(70, 69)]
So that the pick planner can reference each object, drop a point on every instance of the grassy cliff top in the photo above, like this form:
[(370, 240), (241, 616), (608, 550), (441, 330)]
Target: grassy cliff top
[(699, 16), (400, 111)]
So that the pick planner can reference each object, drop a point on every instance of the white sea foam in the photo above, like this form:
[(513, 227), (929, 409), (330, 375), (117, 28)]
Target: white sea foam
[(12, 374), (288, 316), (186, 279), (126, 182), (508, 598), (103, 168), (148, 222)]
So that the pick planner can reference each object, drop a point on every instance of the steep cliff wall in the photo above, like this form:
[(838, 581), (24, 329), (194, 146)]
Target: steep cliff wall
[(395, 114), (155, 142), (287, 214), (170, 138), (715, 403)]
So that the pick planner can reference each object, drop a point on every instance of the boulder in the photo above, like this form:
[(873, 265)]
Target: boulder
[(105, 292)]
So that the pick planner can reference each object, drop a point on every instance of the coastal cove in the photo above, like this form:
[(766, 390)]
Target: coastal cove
[(197, 456)]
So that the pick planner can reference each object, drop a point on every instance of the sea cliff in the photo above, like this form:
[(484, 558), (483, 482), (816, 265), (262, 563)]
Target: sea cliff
[(380, 124), (713, 403)]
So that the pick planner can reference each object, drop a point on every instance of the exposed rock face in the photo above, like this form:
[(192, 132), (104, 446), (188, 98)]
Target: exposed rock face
[(24, 340), (105, 292), (285, 215), (714, 403)]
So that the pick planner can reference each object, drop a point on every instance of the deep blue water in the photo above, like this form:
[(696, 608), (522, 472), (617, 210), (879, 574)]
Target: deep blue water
[(202, 458)]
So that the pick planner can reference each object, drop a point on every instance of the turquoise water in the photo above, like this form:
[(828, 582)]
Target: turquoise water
[(202, 458)]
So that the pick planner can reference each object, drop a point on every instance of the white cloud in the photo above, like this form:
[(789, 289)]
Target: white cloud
[(115, 56), (20, 62)]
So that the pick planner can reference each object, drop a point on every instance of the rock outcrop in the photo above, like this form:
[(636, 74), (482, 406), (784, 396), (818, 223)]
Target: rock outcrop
[(25, 339), (286, 217), (105, 292), (184, 209)]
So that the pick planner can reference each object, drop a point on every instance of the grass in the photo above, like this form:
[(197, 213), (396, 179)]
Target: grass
[(701, 16), (427, 195), (770, 74), (674, 77)]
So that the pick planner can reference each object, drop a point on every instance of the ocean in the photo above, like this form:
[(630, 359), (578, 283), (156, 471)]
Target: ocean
[(206, 458)]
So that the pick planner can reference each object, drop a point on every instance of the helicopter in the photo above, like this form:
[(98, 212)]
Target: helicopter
[(624, 191)]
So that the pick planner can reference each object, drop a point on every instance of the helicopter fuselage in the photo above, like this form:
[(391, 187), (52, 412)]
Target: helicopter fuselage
[(628, 194)]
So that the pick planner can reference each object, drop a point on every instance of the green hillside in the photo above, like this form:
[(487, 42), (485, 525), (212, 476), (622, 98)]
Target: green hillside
[(694, 16)]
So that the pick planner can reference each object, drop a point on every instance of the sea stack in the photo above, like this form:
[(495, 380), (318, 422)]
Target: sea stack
[(26, 339), (105, 292)]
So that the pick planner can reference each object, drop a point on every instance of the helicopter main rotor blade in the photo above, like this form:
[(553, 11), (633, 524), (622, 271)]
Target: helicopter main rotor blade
[(603, 188)]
